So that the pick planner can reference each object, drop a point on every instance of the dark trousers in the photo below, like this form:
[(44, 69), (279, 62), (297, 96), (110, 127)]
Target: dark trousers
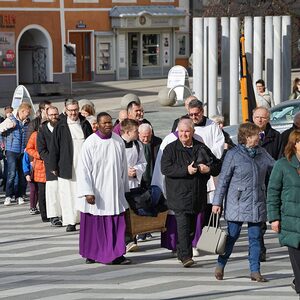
[(186, 223), (33, 187), (14, 168), (42, 200), (295, 261)]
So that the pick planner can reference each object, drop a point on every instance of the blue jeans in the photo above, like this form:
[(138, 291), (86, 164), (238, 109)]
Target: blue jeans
[(254, 233), (15, 169)]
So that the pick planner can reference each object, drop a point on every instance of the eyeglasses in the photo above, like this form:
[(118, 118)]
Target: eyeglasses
[(194, 114), (72, 110), (53, 115)]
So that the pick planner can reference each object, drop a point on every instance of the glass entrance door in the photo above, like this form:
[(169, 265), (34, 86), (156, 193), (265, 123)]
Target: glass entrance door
[(134, 54)]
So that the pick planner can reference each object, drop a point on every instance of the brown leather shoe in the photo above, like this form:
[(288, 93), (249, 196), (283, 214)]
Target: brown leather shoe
[(219, 273), (187, 262), (256, 276)]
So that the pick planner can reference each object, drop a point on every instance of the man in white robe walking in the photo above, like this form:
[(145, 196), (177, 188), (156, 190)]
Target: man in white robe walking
[(102, 183)]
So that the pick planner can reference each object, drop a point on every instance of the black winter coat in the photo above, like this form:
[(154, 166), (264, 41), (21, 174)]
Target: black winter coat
[(185, 192), (61, 149), (272, 142), (44, 138)]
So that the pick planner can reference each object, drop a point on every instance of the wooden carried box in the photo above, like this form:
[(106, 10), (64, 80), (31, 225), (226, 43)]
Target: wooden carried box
[(142, 224)]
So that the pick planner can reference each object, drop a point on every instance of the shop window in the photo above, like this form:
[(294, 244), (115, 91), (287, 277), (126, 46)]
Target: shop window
[(151, 50), (104, 56)]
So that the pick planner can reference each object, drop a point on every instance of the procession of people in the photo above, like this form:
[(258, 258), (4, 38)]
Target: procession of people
[(79, 166)]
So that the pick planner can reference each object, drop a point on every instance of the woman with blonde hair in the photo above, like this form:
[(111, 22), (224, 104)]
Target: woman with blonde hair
[(283, 202)]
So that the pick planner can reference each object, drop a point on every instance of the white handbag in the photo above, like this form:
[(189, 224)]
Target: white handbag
[(213, 237)]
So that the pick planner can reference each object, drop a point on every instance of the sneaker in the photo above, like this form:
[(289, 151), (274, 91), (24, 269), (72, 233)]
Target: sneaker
[(149, 236), (131, 247), (20, 200), (141, 237), (196, 252), (7, 201), (34, 211)]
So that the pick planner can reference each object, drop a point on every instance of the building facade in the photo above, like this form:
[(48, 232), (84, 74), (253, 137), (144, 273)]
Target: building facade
[(110, 40)]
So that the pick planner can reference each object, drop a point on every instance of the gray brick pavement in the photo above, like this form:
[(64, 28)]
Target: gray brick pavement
[(41, 262)]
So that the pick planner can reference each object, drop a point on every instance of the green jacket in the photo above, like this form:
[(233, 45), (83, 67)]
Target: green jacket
[(283, 200)]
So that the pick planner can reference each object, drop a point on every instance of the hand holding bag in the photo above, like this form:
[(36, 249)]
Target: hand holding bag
[(213, 238)]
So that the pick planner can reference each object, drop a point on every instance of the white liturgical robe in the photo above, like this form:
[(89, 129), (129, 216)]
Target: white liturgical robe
[(102, 172)]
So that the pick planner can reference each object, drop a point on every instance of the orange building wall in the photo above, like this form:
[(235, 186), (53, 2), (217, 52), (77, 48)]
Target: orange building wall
[(48, 20), (109, 4), (94, 20), (30, 3)]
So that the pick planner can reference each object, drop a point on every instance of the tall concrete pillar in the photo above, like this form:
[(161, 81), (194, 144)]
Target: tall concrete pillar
[(212, 65), (234, 70), (277, 91), (198, 57), (205, 65), (225, 68), (248, 33), (286, 57), (269, 53), (257, 49)]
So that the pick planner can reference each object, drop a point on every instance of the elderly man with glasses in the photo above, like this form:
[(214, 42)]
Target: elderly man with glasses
[(68, 137)]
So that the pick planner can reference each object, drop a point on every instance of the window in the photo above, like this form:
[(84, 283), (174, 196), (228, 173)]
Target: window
[(151, 49), (103, 55)]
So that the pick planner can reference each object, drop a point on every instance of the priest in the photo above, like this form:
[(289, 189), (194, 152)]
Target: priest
[(102, 183)]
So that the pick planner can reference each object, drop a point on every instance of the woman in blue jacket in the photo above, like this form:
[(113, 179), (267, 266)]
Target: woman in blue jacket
[(241, 186)]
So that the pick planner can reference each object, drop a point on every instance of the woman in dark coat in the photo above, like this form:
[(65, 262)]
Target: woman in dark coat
[(241, 185), (283, 202)]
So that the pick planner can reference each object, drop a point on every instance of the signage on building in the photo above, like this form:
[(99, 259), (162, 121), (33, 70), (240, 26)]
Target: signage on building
[(7, 50), (80, 25), (70, 58), (7, 21)]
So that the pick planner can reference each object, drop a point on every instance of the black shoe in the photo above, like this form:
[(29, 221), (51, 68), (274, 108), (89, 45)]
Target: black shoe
[(46, 220), (70, 228), (293, 285), (56, 222), (122, 260), (89, 261), (263, 257)]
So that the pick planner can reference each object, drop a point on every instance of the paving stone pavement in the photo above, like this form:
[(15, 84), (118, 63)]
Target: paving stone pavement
[(41, 262)]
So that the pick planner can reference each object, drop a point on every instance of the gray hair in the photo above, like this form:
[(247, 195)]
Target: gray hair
[(187, 122), (71, 102), (145, 127), (218, 119)]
